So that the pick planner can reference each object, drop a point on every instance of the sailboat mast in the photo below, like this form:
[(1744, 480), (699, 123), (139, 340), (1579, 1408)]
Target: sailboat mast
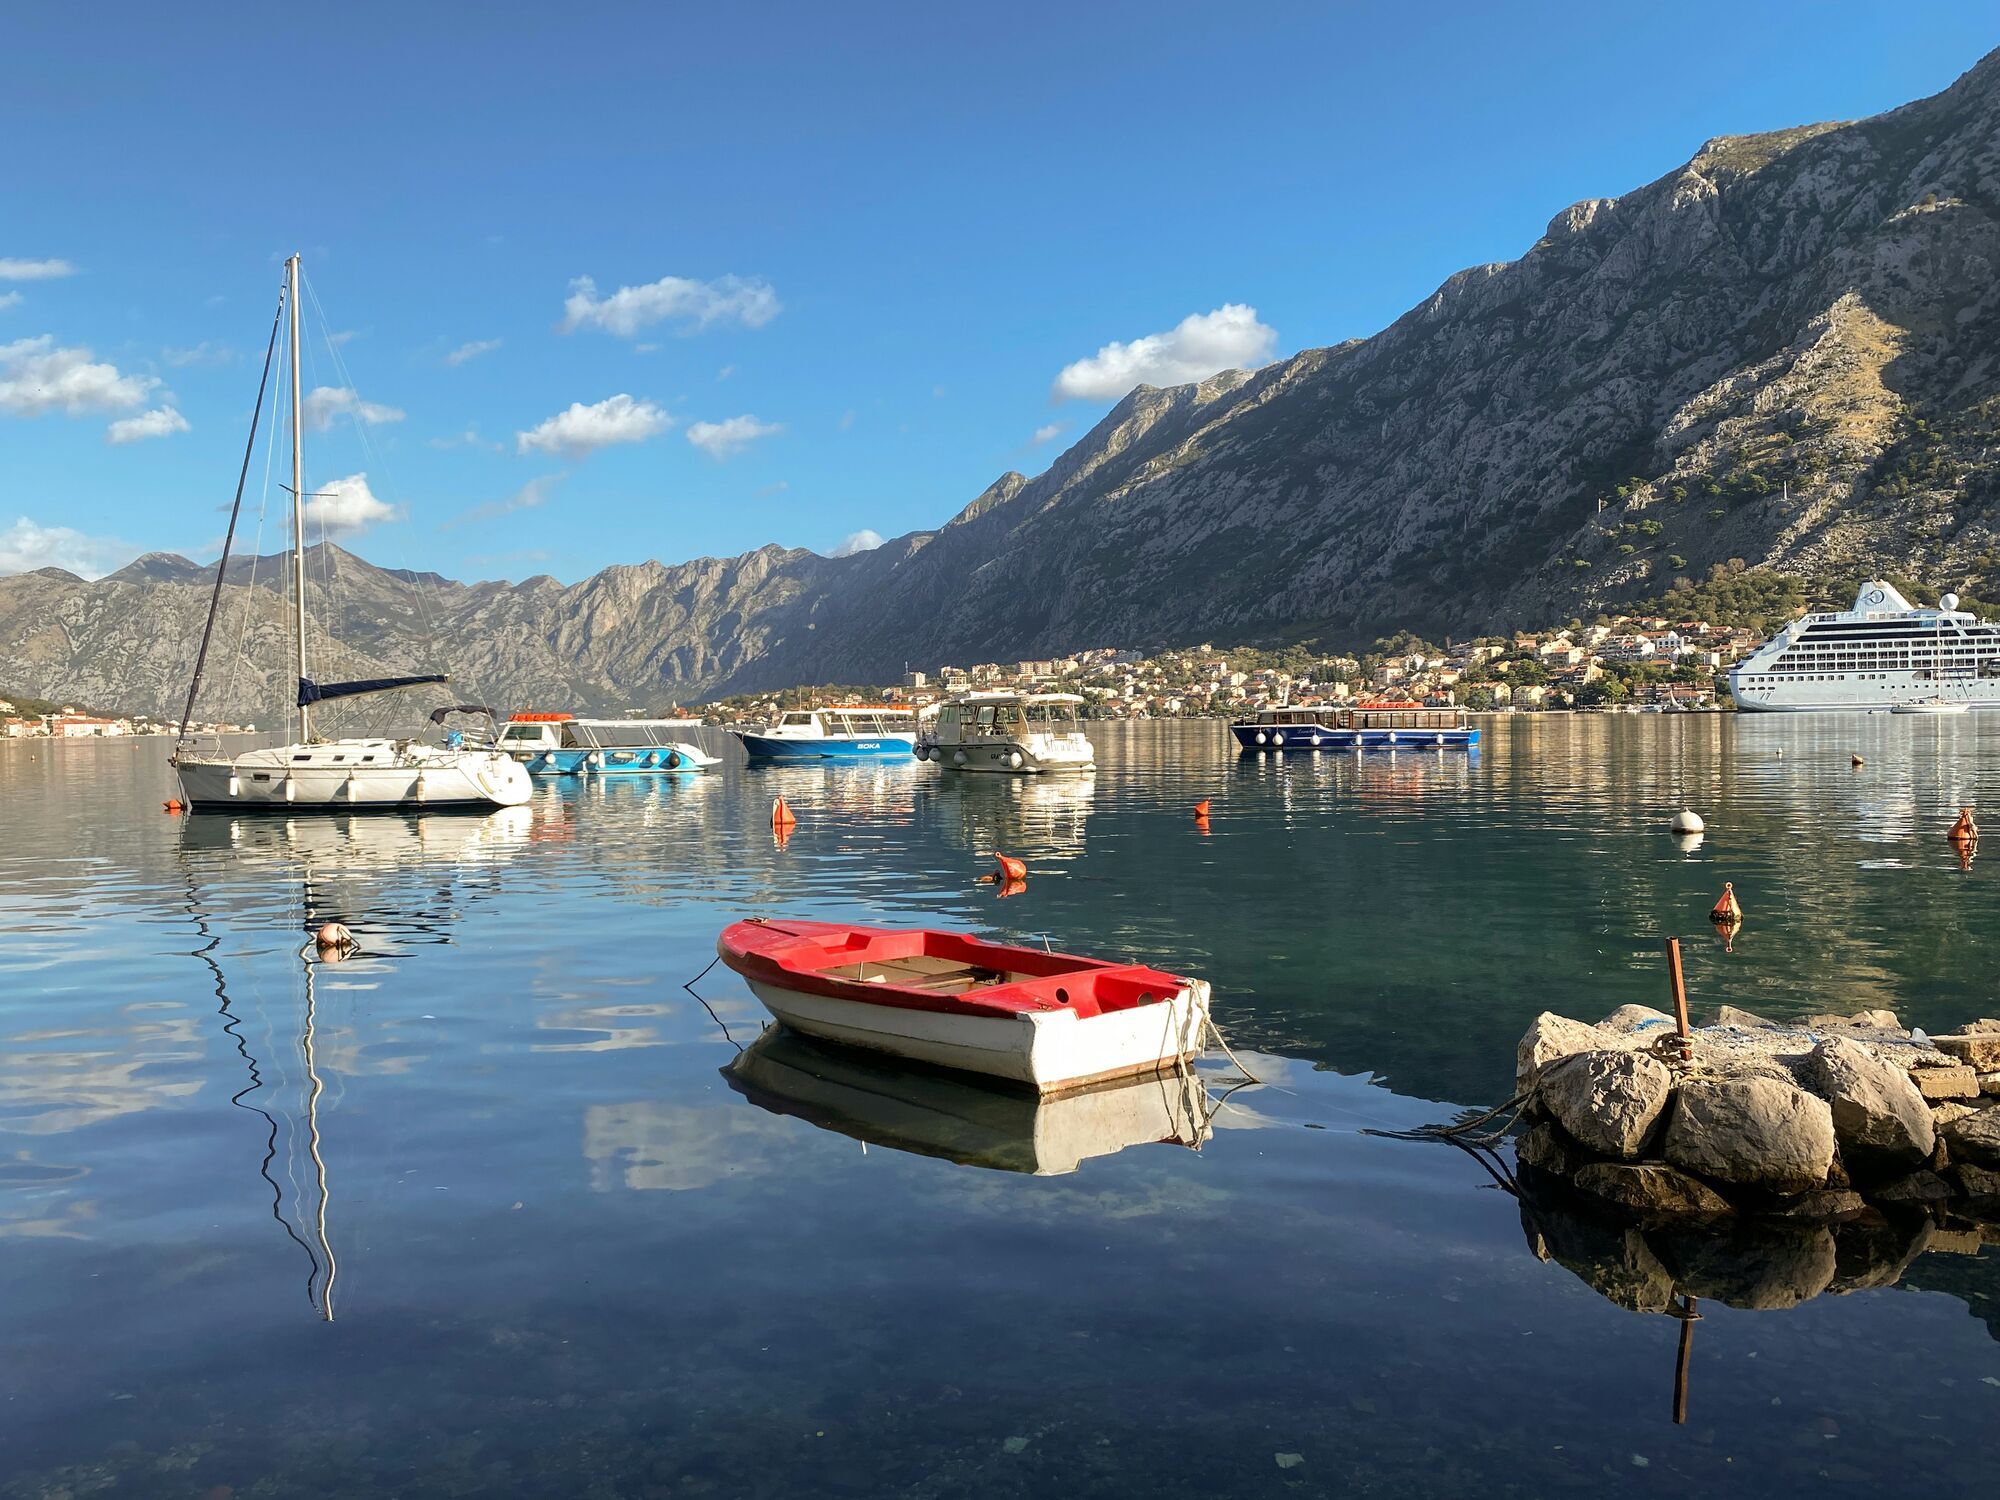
[(298, 506)]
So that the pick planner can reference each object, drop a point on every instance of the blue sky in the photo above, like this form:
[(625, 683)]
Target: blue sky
[(845, 263)]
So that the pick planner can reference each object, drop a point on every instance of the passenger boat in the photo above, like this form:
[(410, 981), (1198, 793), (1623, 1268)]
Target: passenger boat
[(314, 774), (554, 744), (1365, 726), (1052, 1021), (1885, 652), (854, 731), (955, 1117), (1023, 733)]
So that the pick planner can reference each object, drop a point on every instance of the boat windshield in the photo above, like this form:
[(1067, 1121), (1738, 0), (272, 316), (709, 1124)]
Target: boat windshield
[(532, 734), (797, 721), (1053, 718)]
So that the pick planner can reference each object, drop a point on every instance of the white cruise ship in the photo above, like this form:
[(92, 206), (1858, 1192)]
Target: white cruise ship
[(1883, 652)]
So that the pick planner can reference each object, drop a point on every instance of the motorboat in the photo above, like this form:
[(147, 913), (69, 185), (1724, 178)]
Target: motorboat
[(954, 1117), (1020, 733), (1052, 1021), (1931, 706), (328, 775), (1361, 726), (561, 744), (853, 731)]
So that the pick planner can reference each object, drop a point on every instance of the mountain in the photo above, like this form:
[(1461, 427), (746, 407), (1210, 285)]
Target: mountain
[(1786, 351)]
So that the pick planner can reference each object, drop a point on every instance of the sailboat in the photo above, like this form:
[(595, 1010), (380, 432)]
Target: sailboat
[(1937, 703), (329, 775)]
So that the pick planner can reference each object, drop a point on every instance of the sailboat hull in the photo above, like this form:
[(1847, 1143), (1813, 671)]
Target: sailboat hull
[(352, 776)]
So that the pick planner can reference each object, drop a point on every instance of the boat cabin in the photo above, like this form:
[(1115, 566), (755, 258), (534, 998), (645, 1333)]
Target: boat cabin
[(978, 717), (567, 732), (849, 721)]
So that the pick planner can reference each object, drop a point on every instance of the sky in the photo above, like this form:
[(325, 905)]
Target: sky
[(596, 284)]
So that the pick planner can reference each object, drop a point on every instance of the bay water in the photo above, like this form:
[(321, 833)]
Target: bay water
[(502, 1206)]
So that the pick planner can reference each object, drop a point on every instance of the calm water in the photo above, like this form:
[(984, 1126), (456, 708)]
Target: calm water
[(564, 1254)]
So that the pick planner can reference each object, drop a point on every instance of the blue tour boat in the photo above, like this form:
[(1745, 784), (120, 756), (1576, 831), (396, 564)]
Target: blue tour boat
[(1365, 726), (855, 731), (564, 745)]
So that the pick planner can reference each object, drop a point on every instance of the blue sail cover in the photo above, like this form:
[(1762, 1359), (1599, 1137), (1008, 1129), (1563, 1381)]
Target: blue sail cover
[(311, 692)]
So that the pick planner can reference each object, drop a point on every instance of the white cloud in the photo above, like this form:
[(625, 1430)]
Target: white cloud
[(472, 350), (693, 304), (1048, 434), (347, 506), (720, 440), (725, 372), (776, 487), (1230, 338), (324, 403), (161, 421), (9, 299), (34, 270), (527, 497), (584, 429), (24, 546), (345, 336), (469, 438), (36, 377), (203, 353), (863, 540)]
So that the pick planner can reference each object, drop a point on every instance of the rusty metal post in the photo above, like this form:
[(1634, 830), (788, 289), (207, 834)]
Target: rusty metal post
[(1678, 981), (1688, 1317)]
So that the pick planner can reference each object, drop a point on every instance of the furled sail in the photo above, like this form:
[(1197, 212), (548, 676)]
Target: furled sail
[(311, 692)]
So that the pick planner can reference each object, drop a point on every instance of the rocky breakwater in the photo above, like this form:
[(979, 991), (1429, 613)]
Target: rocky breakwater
[(1829, 1120)]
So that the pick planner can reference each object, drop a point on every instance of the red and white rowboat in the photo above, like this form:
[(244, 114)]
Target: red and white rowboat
[(1050, 1020)]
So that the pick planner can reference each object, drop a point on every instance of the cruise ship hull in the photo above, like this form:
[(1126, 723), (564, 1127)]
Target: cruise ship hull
[(1882, 655)]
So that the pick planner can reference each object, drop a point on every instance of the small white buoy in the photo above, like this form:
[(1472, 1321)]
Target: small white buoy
[(1688, 821)]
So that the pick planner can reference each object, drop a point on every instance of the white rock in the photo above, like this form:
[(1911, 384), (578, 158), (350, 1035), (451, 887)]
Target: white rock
[(1550, 1037), (1877, 1110), (1751, 1132), (1609, 1101)]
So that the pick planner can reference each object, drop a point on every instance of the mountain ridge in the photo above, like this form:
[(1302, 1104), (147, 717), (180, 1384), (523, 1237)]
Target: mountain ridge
[(1785, 350)]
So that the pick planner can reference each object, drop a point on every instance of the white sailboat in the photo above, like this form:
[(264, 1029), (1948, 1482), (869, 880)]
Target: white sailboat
[(337, 775)]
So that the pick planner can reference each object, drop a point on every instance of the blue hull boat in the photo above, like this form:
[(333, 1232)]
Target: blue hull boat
[(1367, 726), (852, 732)]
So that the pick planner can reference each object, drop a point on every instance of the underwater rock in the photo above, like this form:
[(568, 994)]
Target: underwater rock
[(1877, 1111), (1610, 1101), (1751, 1132), (1651, 1189)]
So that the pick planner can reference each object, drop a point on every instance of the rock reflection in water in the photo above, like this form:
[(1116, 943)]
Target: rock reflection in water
[(934, 1113)]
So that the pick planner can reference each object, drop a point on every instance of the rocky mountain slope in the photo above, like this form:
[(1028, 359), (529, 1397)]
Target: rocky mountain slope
[(1786, 351)]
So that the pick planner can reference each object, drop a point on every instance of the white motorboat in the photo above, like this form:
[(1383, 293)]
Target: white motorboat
[(1019, 733), (1931, 706), (333, 775)]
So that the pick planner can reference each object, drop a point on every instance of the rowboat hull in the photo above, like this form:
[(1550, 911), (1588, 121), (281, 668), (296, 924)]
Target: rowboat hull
[(1050, 1051)]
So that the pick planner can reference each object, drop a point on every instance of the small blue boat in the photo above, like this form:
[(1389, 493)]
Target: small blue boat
[(855, 731), (1365, 726), (564, 745)]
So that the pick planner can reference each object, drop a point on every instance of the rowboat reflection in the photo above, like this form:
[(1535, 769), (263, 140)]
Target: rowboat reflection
[(956, 1118)]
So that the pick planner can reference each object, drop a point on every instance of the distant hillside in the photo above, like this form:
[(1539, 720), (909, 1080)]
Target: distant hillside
[(1786, 351)]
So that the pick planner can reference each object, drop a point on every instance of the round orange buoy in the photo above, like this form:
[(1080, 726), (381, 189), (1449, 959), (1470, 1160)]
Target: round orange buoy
[(1201, 811), (334, 936), (1964, 831), (782, 815), (1011, 869), (1727, 908), (174, 805)]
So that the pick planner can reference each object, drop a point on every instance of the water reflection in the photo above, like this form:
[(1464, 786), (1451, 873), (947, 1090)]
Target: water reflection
[(959, 1119)]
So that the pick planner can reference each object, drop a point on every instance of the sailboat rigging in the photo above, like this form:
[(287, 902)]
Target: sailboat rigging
[(338, 775)]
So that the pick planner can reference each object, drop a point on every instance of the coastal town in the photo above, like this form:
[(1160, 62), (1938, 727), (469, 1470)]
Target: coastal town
[(29, 719), (1643, 662)]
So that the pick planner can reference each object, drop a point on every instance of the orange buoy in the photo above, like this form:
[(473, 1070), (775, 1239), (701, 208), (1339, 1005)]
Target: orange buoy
[(1727, 908), (1201, 811), (1964, 831), (782, 815), (1010, 888), (334, 937), (1728, 928), (174, 805), (781, 835), (1856, 761), (1011, 869)]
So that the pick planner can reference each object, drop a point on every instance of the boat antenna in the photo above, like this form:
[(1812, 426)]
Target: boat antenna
[(298, 509), (229, 536)]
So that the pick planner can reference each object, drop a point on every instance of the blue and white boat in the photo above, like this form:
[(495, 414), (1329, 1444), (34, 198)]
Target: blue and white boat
[(855, 731), (564, 745), (1365, 726)]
